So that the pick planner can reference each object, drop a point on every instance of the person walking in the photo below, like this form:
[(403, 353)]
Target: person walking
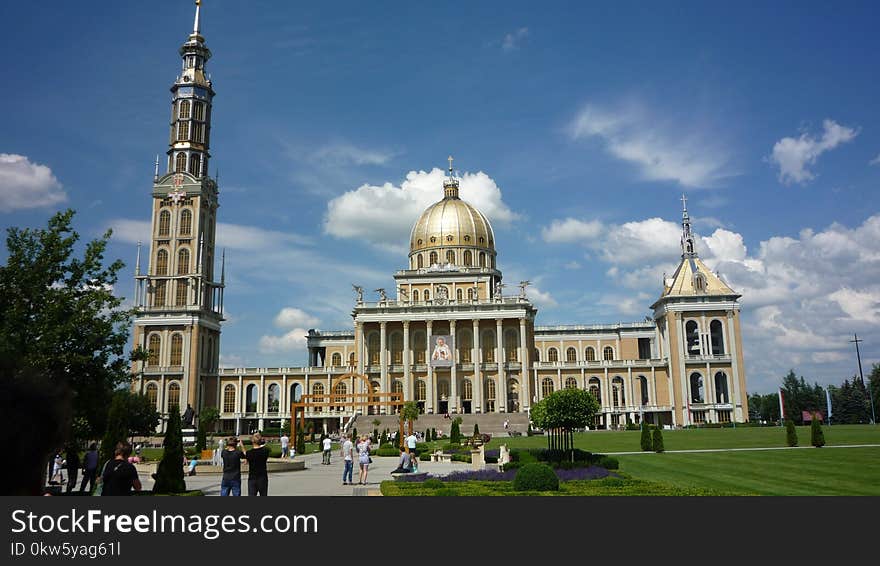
[(71, 461), (120, 476), (230, 483), (90, 468), (328, 445), (285, 446), (258, 475), (364, 459), (411, 443), (347, 457)]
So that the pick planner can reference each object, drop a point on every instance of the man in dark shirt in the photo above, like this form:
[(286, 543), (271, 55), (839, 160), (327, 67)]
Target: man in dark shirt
[(230, 484), (71, 461), (258, 476), (119, 477), (90, 468)]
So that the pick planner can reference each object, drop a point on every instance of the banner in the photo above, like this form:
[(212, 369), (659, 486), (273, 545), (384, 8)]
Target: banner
[(828, 403), (781, 406), (441, 350)]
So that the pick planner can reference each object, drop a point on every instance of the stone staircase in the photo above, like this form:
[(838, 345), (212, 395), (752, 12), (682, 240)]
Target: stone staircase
[(489, 423)]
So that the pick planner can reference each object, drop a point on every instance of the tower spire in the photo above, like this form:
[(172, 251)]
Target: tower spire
[(196, 22), (687, 238), (450, 184)]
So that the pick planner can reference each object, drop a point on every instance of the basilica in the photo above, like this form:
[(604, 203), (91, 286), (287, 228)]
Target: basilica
[(451, 336)]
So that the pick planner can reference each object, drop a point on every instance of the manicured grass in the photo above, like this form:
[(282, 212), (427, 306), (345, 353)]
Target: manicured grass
[(808, 471), (702, 438)]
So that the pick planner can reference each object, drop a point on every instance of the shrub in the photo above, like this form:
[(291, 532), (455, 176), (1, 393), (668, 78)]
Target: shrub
[(169, 473), (476, 429), (535, 477), (658, 439), (790, 433), (201, 438), (433, 483), (433, 434), (817, 437), (455, 432), (608, 463), (647, 443)]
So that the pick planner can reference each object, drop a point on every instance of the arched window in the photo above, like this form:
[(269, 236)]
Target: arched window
[(416, 295), (229, 399), (571, 383), (173, 398), (692, 333), (195, 164), (443, 389), (339, 390), (512, 395), (153, 350), (510, 348), (397, 348), (153, 395), (183, 135), (180, 293), (490, 389), (336, 359), (420, 344), (176, 350), (427, 295), (537, 355), (162, 262), (318, 392), (643, 387), (721, 393), (183, 261), (467, 390), (715, 330), (198, 110), (273, 398), (397, 386), (373, 349), (459, 295), (185, 222), (159, 296), (482, 259), (608, 353), (546, 387), (421, 390), (487, 343), (596, 389), (590, 354), (419, 261), (184, 110), (571, 355), (351, 360), (471, 295), (164, 223), (552, 355), (468, 258), (697, 395), (618, 394), (465, 347), (432, 259), (450, 256), (180, 163), (296, 392), (250, 400)]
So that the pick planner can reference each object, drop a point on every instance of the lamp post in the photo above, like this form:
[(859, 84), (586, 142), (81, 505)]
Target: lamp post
[(862, 377)]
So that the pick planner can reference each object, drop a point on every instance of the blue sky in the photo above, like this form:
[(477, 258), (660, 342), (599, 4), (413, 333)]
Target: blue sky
[(577, 127)]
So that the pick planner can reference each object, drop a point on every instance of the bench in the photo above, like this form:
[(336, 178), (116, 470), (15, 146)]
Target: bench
[(418, 476), (441, 457)]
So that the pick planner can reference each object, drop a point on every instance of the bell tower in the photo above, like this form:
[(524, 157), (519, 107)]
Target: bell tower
[(179, 302)]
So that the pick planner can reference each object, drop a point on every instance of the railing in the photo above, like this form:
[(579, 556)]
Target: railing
[(466, 302), (155, 370), (600, 364), (707, 358), (574, 327)]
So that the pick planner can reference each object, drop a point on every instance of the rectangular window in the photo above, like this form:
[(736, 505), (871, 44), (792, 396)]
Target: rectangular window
[(198, 130), (723, 416), (183, 131), (644, 348)]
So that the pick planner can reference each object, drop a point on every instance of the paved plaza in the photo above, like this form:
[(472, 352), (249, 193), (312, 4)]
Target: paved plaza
[(318, 479)]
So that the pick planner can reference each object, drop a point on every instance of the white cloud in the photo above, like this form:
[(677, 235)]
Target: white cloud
[(572, 265), (637, 242), (571, 230), (383, 216), (541, 298), (231, 236), (859, 305), (514, 39), (875, 161), (343, 153), (27, 185), (291, 317), (793, 155), (661, 152)]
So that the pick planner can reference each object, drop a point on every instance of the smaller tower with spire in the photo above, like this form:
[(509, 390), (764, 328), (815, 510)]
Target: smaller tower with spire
[(687, 238), (450, 184)]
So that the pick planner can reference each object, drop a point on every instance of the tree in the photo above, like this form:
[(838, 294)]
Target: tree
[(169, 474), (117, 429), (817, 437), (658, 440), (141, 416), (647, 444), (454, 431), (301, 440), (476, 430), (410, 413), (560, 413), (790, 433), (210, 415), (433, 433), (59, 318)]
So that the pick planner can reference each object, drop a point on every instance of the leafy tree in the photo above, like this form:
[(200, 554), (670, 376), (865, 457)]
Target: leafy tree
[(169, 474), (647, 443), (790, 433), (874, 386), (560, 413), (658, 439), (817, 437), (410, 413), (799, 397), (59, 318), (141, 416), (210, 415), (117, 429)]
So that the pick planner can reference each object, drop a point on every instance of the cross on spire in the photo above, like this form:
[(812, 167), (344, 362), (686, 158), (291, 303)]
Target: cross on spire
[(450, 165)]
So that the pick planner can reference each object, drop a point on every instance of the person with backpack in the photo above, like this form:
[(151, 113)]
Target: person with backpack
[(120, 476)]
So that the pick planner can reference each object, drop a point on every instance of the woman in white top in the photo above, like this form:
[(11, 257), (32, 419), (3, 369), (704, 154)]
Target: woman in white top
[(363, 449)]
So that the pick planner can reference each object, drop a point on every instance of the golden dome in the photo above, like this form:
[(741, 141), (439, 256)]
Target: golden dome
[(452, 222)]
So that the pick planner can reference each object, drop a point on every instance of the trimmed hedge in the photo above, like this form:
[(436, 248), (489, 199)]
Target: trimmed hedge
[(536, 477)]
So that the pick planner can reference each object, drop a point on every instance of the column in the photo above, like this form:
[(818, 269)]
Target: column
[(478, 375), (261, 401), (499, 359), (283, 401), (383, 363), (429, 386), (453, 385), (733, 387), (408, 390), (359, 354), (526, 400)]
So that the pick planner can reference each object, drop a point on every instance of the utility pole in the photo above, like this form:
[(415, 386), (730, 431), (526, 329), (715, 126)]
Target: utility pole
[(862, 377)]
